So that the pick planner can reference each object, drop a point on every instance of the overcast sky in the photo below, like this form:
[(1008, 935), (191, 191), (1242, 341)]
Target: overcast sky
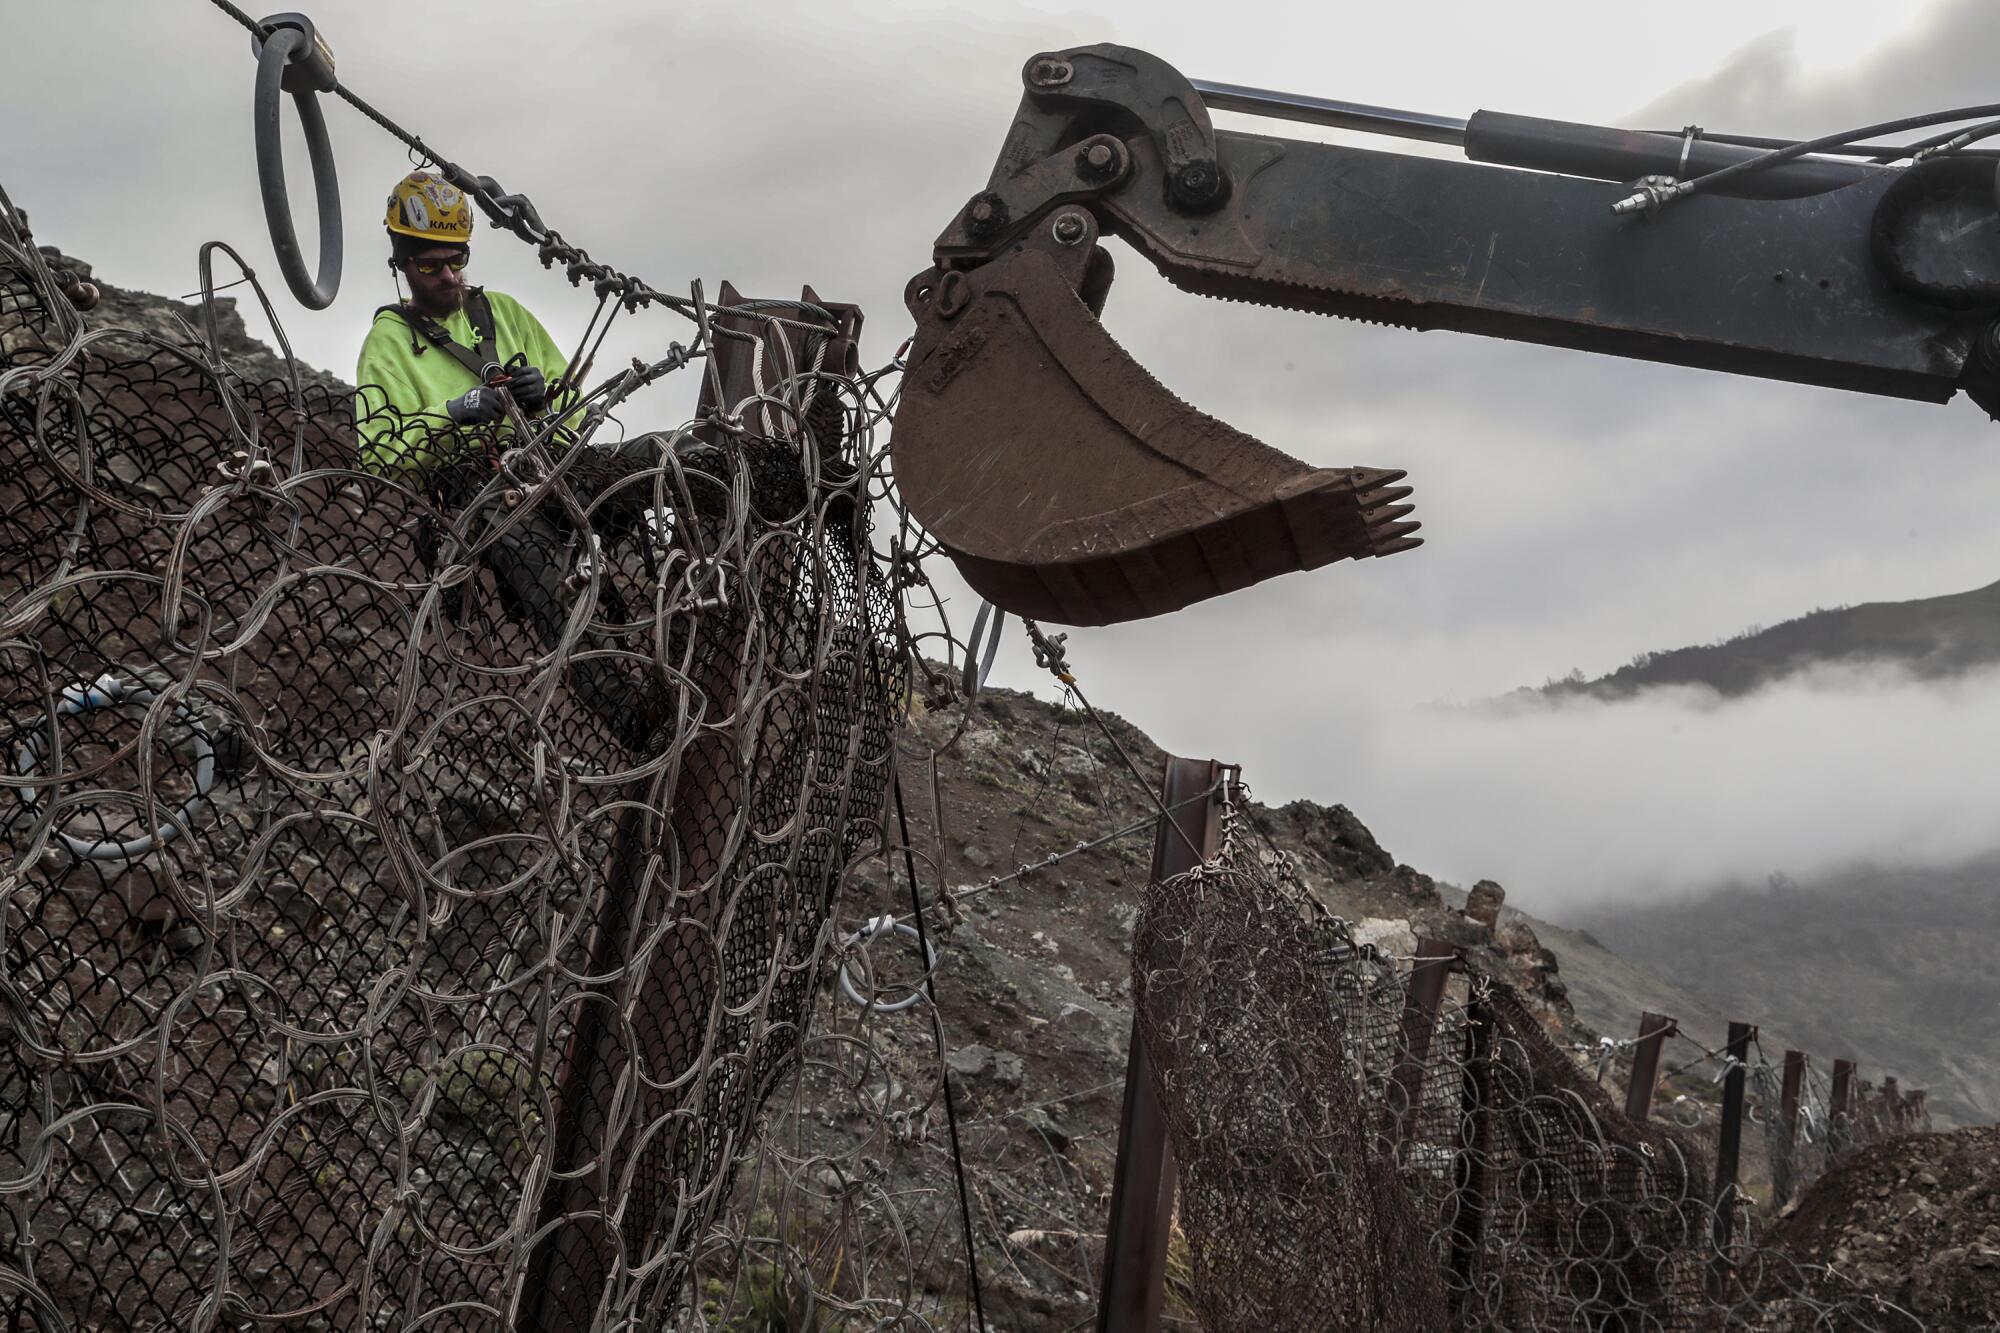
[(1578, 509)]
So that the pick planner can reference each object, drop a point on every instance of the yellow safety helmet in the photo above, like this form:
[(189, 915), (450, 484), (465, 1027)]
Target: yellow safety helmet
[(430, 208)]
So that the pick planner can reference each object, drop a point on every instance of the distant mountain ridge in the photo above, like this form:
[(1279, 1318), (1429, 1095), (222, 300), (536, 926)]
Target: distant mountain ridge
[(1884, 964), (1932, 637)]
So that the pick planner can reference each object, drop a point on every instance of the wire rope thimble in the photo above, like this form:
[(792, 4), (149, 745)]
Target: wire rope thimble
[(886, 924)]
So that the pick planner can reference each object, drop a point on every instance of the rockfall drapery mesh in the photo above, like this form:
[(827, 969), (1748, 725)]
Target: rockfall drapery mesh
[(1819, 1134), (410, 898), (1491, 1186)]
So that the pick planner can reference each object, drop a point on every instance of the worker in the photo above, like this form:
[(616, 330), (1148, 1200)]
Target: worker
[(427, 359), (426, 414)]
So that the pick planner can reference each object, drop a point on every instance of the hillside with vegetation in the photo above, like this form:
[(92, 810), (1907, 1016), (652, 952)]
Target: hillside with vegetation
[(1930, 637), (1884, 964)]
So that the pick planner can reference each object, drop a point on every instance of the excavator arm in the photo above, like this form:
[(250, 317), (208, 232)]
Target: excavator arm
[(1069, 485)]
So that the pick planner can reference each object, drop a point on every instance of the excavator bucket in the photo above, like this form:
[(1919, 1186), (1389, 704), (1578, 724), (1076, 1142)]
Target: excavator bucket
[(1068, 485)]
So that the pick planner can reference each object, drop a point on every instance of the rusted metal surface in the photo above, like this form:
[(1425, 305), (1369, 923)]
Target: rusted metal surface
[(1472, 1163), (1843, 1092), (1421, 1001), (1654, 1029), (1069, 486), (1729, 1148), (1142, 1206), (1784, 1158), (1142, 1184), (774, 344), (1788, 1096)]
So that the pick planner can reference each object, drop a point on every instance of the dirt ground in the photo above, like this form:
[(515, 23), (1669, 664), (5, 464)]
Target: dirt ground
[(1914, 1221)]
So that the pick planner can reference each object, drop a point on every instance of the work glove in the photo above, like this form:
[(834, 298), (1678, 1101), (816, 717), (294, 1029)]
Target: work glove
[(477, 407), (529, 388)]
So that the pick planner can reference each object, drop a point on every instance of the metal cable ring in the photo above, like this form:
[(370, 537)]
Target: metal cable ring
[(883, 925), (105, 692), (274, 56), (978, 665)]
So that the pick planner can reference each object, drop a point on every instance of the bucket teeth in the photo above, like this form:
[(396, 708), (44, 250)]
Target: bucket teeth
[(1370, 478), (1381, 521), (1395, 537), (1068, 485)]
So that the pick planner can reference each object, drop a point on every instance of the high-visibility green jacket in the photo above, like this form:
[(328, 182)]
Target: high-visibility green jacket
[(400, 369)]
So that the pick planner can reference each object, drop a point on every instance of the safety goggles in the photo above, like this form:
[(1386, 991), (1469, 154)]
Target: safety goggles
[(429, 267)]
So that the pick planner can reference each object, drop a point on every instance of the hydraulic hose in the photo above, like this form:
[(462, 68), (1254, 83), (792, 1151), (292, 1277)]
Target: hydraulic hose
[(1650, 196), (279, 51)]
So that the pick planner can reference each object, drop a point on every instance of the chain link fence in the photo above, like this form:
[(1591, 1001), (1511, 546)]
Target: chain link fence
[(1334, 1175)]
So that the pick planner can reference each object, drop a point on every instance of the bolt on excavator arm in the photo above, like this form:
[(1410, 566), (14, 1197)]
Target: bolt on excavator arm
[(1068, 485)]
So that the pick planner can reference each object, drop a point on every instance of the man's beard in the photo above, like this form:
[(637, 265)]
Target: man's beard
[(442, 305)]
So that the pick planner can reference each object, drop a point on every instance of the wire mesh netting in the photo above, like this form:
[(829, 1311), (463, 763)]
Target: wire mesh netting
[(413, 894), (1806, 1139), (1337, 1171), (417, 901)]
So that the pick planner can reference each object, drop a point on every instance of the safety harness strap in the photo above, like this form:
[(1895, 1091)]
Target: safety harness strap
[(479, 360)]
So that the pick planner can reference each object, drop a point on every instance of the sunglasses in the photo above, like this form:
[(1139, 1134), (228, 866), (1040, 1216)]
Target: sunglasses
[(429, 267)]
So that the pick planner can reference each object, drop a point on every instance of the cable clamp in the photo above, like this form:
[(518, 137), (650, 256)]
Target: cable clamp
[(1688, 135), (886, 924)]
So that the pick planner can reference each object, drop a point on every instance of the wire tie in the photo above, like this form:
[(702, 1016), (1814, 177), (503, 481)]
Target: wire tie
[(1688, 135)]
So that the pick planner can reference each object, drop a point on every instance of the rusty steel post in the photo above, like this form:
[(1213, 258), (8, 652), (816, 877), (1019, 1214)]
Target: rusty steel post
[(1788, 1097), (1784, 1166), (1654, 1029), (1133, 1289), (567, 1270), (1843, 1086), (1413, 1043), (1729, 1150), (1475, 1148), (1841, 1128)]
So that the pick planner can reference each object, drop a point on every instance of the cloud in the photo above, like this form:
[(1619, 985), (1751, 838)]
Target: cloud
[(1582, 801), (1765, 87)]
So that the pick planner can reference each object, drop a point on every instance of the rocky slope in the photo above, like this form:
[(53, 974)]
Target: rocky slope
[(179, 322), (1916, 1220), (1035, 980), (1891, 968)]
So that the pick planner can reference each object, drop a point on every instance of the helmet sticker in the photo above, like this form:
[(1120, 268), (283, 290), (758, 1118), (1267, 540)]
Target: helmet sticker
[(426, 204)]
